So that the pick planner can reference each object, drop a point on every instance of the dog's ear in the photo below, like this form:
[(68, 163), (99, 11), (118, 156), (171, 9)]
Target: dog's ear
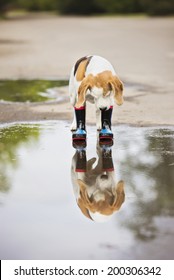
[(85, 85), (120, 196), (116, 86), (83, 208), (83, 193), (83, 200)]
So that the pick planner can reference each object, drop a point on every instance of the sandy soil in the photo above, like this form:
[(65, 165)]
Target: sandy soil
[(141, 49)]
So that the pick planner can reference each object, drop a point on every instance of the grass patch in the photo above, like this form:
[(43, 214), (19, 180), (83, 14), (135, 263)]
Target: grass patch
[(25, 90)]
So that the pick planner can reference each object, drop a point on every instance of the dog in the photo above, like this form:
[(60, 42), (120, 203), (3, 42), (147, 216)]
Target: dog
[(94, 79), (95, 188)]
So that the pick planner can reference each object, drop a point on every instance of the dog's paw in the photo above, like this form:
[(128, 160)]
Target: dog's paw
[(99, 127), (73, 127)]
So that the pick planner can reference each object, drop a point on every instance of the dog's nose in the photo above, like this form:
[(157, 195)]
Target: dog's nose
[(103, 108)]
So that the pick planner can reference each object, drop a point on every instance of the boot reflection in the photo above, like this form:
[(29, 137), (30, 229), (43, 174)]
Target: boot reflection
[(96, 191)]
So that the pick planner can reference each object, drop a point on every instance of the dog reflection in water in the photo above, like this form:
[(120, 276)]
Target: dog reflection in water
[(96, 191)]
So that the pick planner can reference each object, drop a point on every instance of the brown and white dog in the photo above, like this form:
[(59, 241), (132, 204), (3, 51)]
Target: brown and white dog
[(95, 188), (94, 79)]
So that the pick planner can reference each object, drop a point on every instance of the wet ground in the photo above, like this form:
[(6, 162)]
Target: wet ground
[(40, 218)]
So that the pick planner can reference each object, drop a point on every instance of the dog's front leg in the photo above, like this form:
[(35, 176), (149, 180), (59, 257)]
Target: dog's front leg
[(105, 132), (79, 123), (74, 123), (98, 119)]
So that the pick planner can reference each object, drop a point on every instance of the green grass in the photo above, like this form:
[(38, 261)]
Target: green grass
[(25, 90)]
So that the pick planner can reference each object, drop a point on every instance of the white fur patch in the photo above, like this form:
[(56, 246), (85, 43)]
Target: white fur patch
[(99, 64), (103, 102)]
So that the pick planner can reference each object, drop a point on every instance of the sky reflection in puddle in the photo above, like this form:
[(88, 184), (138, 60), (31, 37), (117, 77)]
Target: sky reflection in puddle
[(40, 218)]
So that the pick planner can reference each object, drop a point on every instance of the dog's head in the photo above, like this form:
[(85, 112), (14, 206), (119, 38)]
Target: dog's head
[(104, 87), (103, 201)]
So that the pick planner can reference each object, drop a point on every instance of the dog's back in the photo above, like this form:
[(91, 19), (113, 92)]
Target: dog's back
[(97, 65)]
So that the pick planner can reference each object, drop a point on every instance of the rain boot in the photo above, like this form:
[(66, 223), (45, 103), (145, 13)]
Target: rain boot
[(81, 162), (107, 159), (80, 133), (105, 134)]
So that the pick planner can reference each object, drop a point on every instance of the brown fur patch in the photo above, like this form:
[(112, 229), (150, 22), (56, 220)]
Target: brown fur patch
[(102, 80), (81, 68), (84, 210), (86, 84), (77, 63)]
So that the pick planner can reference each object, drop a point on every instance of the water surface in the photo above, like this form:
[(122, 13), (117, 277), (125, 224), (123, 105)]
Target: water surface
[(40, 218)]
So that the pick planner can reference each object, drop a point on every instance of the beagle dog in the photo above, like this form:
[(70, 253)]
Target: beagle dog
[(94, 79), (95, 188)]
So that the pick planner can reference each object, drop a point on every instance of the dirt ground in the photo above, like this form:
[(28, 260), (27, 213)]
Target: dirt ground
[(46, 46)]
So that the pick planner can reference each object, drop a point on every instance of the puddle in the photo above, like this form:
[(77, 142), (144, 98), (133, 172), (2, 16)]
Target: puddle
[(30, 90), (39, 215)]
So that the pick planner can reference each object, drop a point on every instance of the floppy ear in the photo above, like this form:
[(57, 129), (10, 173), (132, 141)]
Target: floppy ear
[(84, 210), (85, 85), (116, 86), (120, 196), (83, 200), (83, 193)]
